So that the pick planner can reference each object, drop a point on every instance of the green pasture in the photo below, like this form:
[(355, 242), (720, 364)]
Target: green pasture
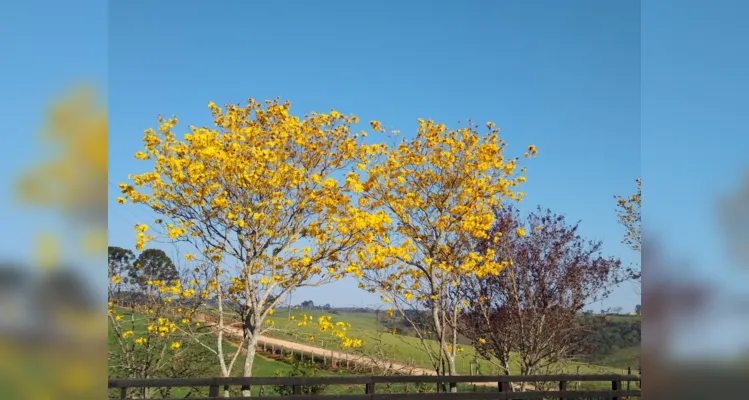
[(394, 347), (622, 359), (378, 343), (262, 367)]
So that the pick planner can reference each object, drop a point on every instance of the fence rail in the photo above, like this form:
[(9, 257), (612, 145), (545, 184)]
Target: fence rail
[(369, 382)]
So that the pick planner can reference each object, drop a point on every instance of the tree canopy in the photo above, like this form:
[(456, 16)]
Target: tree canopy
[(438, 190), (531, 307)]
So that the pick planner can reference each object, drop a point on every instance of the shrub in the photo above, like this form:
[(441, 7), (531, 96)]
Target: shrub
[(306, 369)]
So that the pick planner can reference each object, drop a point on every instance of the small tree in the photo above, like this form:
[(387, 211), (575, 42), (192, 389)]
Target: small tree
[(152, 265), (532, 306), (438, 191), (628, 212), (120, 262), (147, 340), (258, 202)]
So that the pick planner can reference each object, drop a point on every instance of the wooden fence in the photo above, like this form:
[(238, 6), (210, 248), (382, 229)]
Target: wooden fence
[(326, 357), (369, 383)]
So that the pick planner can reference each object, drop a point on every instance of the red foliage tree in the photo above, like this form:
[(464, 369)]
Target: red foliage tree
[(533, 307)]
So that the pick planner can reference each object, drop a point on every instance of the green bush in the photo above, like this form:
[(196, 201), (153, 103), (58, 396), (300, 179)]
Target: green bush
[(305, 369)]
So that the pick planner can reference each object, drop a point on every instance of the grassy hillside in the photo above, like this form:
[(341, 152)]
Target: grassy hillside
[(622, 358), (623, 318), (395, 347)]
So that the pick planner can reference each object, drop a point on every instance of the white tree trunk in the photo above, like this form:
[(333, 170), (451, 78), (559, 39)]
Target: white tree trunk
[(249, 360), (451, 365)]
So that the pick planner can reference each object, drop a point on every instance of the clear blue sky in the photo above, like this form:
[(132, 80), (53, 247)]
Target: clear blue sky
[(565, 76), (566, 79)]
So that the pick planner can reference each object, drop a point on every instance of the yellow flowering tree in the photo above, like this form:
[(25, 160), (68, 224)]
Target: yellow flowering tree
[(148, 337), (438, 189), (628, 211), (259, 201)]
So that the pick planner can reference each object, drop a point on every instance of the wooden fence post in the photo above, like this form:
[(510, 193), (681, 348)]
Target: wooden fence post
[(370, 388), (616, 385), (123, 393), (639, 372), (562, 387), (213, 391), (629, 372)]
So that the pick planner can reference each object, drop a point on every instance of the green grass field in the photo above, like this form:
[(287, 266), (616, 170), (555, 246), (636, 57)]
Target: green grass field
[(622, 358), (623, 318), (398, 348), (262, 367), (377, 342)]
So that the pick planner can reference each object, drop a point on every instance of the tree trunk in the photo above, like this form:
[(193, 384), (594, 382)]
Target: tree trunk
[(453, 371), (249, 360), (506, 367)]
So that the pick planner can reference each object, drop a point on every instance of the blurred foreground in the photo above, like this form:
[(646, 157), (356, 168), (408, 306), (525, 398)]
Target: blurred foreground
[(52, 314), (694, 336)]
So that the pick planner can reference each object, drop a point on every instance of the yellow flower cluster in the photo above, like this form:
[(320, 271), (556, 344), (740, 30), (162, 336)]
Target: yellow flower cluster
[(336, 329), (458, 349), (440, 189), (172, 289), (261, 176), (351, 343), (162, 327)]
